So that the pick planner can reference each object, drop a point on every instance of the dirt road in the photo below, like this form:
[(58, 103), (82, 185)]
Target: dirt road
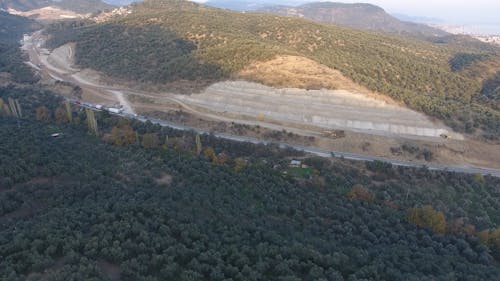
[(298, 111)]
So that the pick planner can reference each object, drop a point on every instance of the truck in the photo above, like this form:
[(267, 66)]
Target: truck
[(335, 134), (115, 110)]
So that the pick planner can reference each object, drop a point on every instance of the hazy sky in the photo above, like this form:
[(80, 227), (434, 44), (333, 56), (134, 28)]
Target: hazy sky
[(454, 11), (459, 11)]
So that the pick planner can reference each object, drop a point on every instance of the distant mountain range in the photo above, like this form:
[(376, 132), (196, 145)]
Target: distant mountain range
[(77, 6), (420, 19), (360, 16), (250, 5), (238, 5), (120, 2)]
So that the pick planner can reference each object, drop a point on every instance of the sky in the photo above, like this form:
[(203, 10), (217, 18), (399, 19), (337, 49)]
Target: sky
[(452, 11)]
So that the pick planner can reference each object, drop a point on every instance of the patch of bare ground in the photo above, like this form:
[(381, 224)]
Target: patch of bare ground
[(31, 207), (111, 270), (482, 154), (164, 179), (44, 276), (47, 13), (26, 210), (255, 131), (96, 96), (302, 73)]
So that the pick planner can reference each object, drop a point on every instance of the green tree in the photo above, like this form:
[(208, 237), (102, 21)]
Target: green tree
[(123, 135), (429, 218), (198, 145), (150, 140), (42, 114)]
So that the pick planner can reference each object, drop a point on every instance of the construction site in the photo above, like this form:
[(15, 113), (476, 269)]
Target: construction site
[(326, 109), (344, 119)]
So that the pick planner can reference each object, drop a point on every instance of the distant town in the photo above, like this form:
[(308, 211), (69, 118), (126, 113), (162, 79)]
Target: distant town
[(489, 34)]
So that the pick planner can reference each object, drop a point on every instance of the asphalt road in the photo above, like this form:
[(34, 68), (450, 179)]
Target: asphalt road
[(37, 64), (311, 150)]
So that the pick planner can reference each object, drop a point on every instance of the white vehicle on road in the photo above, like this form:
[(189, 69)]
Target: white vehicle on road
[(115, 110)]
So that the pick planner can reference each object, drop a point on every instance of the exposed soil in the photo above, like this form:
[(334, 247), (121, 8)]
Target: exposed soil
[(165, 179), (338, 109), (47, 14), (303, 73), (111, 270)]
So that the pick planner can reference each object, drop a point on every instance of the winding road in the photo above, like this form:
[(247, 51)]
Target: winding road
[(41, 64)]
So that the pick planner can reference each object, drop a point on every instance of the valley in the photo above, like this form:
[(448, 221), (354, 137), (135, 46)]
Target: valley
[(171, 140), (372, 126)]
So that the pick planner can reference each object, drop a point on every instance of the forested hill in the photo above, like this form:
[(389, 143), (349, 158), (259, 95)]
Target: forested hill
[(13, 27), (77, 208), (166, 40), (358, 15), (77, 6)]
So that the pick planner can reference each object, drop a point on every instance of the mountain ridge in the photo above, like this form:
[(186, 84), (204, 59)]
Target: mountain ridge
[(358, 15)]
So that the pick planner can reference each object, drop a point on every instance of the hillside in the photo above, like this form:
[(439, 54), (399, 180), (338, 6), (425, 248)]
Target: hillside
[(226, 42), (359, 15), (249, 5), (12, 29), (79, 208), (120, 2), (77, 6)]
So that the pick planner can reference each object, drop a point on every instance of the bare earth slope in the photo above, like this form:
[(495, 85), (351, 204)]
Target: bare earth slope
[(47, 13), (302, 73), (338, 109)]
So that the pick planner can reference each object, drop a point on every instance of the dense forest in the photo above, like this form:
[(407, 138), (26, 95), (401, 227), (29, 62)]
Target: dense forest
[(491, 87), (11, 58), (14, 26), (171, 57), (419, 73), (142, 202), (12, 62)]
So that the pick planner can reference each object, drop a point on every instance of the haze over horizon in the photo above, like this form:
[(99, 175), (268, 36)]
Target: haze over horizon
[(479, 12)]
